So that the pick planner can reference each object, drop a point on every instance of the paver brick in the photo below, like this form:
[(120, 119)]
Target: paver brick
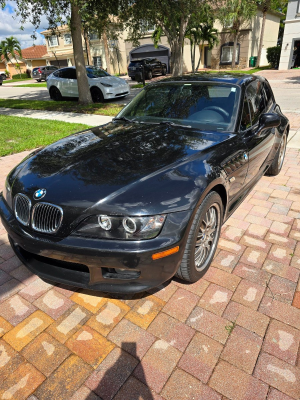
[(53, 303), (84, 393), (280, 228), (11, 264), (4, 277), (34, 290), (69, 323), (145, 310), (249, 294), (257, 231), (23, 275), (250, 319), (21, 383), (296, 300), (182, 386), (252, 274), (230, 246), (92, 301), (172, 331), (280, 254), (45, 353), (111, 374), (197, 288), (281, 289), (210, 324), (283, 270), (108, 316), (157, 365), (10, 288), (181, 304), (295, 262), (10, 360), (15, 309), (201, 356), (90, 346), (215, 299), (225, 261), (280, 311), (281, 240), (132, 338), (280, 218), (282, 341), (278, 374), (236, 384), (242, 349), (164, 291), (274, 394), (26, 331), (64, 381), (254, 257), (5, 326), (233, 233), (222, 278), (255, 243)]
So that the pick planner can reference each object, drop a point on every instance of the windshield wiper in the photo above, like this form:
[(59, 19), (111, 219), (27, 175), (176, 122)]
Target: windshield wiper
[(170, 123), (124, 119)]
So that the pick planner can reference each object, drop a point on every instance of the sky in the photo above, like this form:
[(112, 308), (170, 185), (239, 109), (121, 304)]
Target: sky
[(10, 26)]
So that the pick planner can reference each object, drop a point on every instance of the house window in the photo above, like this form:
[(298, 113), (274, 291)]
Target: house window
[(52, 41), (68, 38), (94, 36), (226, 53), (147, 26), (298, 7), (97, 61)]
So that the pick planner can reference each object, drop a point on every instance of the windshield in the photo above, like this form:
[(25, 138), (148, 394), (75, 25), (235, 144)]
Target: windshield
[(202, 105), (95, 72)]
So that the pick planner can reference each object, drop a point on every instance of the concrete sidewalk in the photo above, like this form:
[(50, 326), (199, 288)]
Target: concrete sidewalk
[(88, 119)]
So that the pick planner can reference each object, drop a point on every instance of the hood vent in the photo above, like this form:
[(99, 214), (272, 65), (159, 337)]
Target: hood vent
[(46, 218), (22, 206)]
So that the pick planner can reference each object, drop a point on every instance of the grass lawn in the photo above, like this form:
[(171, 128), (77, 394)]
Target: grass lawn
[(238, 71), (42, 84), (109, 109), (15, 80), (20, 133)]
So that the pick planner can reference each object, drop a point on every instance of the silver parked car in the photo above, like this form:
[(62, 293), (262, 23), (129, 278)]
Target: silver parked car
[(41, 73)]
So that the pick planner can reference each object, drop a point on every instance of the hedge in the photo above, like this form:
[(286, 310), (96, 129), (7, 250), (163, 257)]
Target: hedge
[(20, 76), (273, 56)]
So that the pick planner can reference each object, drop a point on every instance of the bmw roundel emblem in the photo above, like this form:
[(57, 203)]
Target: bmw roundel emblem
[(39, 194)]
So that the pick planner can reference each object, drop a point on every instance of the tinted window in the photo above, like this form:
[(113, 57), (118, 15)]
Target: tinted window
[(246, 116), (68, 73), (268, 94), (202, 105), (96, 72), (57, 73), (256, 100)]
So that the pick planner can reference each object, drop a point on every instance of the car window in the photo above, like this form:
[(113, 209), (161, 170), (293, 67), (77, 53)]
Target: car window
[(256, 98), (57, 73), (203, 105), (246, 116), (268, 94), (96, 72), (64, 73)]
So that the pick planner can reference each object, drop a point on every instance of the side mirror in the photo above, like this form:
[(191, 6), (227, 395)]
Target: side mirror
[(268, 120)]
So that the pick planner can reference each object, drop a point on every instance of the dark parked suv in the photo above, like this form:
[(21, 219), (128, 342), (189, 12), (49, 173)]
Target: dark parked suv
[(152, 66), (41, 73)]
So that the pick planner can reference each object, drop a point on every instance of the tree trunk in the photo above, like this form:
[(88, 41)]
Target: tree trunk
[(106, 51), (200, 55), (82, 80), (88, 47), (261, 38), (234, 50), (177, 49)]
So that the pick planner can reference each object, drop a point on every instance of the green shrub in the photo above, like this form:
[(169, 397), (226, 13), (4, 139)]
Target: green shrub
[(273, 56), (7, 73), (20, 76)]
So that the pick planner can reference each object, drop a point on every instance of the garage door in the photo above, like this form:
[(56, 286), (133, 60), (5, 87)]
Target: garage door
[(61, 64), (162, 53)]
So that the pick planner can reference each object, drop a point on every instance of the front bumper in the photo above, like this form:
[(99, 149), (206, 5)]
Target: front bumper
[(90, 263), (115, 92)]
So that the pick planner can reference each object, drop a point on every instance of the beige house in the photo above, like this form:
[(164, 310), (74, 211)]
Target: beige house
[(121, 52), (31, 57)]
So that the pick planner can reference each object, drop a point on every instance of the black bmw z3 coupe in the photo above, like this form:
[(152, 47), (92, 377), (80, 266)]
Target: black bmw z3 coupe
[(125, 206)]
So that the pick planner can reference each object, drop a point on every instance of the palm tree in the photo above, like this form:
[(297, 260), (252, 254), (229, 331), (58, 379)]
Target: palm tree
[(9, 48)]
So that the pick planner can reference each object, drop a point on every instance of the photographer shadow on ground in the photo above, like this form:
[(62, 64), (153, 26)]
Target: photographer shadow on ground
[(118, 382)]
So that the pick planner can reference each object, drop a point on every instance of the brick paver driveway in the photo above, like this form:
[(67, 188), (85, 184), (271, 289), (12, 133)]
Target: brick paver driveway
[(233, 335)]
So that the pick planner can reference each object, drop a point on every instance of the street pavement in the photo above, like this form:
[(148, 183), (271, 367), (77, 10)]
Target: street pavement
[(234, 334)]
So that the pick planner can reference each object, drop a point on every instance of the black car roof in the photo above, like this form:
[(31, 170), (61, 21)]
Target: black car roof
[(221, 77)]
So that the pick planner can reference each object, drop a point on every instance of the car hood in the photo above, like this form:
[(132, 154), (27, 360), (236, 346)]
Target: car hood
[(119, 168), (112, 80)]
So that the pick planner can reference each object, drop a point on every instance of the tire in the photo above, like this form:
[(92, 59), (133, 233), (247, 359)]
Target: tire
[(133, 78), (149, 75), (210, 209), (55, 94), (164, 71), (97, 95), (0, 83), (277, 163), (38, 80)]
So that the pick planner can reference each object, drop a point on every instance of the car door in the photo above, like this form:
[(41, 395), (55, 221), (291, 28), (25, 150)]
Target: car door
[(259, 142), (72, 83)]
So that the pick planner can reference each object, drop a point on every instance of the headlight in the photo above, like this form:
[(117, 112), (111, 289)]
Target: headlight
[(106, 84), (7, 190), (122, 228)]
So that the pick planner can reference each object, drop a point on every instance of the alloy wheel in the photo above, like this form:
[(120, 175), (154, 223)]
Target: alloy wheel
[(282, 151), (207, 236)]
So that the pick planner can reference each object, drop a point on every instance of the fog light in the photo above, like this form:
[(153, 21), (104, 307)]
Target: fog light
[(105, 222), (129, 225)]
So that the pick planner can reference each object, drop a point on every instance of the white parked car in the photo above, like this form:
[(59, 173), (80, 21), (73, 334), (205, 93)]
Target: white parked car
[(63, 83)]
